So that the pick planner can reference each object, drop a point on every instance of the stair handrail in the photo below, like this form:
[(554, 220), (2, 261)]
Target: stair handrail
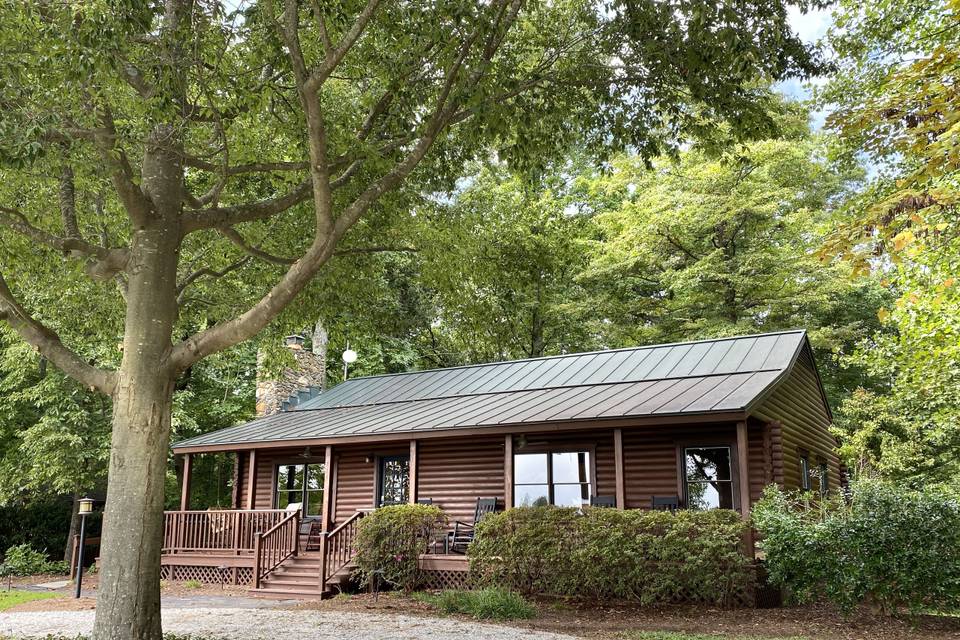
[(274, 546), (336, 548)]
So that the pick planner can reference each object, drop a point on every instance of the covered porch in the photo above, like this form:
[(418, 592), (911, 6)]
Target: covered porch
[(629, 466)]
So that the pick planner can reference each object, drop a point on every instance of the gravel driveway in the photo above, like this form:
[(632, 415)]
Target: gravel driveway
[(269, 624)]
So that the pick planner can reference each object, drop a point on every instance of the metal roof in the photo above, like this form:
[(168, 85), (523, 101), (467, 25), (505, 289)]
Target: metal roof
[(708, 376)]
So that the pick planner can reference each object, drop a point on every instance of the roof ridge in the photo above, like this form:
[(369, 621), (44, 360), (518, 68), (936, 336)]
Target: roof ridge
[(571, 355)]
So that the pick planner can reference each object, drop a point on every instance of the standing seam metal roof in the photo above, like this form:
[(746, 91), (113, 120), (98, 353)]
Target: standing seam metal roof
[(721, 375)]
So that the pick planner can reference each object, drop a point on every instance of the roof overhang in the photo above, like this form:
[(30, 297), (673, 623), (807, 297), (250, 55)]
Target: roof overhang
[(543, 427)]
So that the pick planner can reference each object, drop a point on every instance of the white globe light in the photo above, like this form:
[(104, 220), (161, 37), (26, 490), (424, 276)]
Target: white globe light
[(349, 356)]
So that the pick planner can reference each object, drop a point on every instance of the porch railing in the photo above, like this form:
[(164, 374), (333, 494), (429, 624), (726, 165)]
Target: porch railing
[(336, 548), (228, 531), (276, 545)]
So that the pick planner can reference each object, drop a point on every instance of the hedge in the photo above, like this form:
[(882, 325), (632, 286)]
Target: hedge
[(883, 545), (647, 556), (390, 541)]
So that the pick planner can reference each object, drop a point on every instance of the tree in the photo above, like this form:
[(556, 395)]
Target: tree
[(898, 107), (189, 148), (503, 257), (710, 246)]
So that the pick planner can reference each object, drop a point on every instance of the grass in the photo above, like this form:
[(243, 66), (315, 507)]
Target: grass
[(679, 635), (484, 604), (13, 598), (193, 584)]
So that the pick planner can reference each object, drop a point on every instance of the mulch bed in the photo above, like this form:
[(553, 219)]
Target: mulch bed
[(603, 621)]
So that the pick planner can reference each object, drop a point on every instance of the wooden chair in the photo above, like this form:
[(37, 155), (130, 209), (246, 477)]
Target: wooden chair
[(603, 502), (462, 535), (310, 532), (665, 503)]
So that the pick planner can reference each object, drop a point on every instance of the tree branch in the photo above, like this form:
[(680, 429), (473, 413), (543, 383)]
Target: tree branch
[(50, 346), (107, 262), (331, 61), (228, 216), (234, 236), (209, 273)]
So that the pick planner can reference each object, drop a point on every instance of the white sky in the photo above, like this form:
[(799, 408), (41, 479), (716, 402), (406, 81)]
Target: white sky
[(811, 27)]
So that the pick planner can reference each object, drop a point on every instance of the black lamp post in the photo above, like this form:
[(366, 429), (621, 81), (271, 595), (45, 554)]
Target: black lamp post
[(85, 509)]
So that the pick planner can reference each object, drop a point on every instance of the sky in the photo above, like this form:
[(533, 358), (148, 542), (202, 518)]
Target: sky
[(810, 27)]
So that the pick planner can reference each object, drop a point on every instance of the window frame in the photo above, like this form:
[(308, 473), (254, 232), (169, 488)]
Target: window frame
[(734, 470), (806, 481), (379, 475), (549, 450), (304, 490)]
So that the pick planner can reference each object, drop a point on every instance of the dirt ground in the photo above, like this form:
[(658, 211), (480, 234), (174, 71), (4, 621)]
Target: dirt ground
[(605, 621)]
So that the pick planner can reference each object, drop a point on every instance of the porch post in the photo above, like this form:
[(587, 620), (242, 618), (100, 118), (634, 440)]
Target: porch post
[(743, 469), (185, 484), (618, 466), (251, 479), (414, 469), (508, 471), (327, 487)]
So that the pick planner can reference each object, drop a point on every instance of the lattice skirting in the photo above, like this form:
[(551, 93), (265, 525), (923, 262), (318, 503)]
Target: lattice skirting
[(207, 575), (439, 579)]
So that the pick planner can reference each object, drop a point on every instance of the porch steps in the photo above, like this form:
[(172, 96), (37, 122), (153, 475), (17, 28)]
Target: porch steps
[(297, 578)]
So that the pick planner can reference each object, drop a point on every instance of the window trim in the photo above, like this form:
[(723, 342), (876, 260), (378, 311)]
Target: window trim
[(734, 472), (694, 443), (378, 476), (275, 488), (548, 449), (806, 481)]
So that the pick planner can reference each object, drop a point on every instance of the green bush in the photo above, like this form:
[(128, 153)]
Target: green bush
[(647, 556), (887, 546), (390, 541), (23, 560), (484, 604)]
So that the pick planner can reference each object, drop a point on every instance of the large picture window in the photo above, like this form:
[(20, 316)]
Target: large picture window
[(559, 478), (300, 483), (708, 478)]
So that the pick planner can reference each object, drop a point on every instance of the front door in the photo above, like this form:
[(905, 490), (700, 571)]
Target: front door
[(393, 485)]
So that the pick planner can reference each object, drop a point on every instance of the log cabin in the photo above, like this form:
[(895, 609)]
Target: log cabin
[(694, 425)]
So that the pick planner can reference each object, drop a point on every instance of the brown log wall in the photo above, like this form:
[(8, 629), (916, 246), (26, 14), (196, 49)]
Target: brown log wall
[(801, 422)]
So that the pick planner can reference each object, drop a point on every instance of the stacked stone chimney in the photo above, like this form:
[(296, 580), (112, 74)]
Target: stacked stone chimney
[(309, 372)]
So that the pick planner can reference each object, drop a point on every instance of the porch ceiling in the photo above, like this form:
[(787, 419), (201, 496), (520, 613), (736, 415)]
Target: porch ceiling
[(693, 378)]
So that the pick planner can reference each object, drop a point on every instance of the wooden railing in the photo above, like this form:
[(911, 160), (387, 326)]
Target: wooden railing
[(336, 548), (276, 545), (229, 531)]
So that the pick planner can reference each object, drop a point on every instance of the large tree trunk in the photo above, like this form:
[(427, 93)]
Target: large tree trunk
[(128, 602)]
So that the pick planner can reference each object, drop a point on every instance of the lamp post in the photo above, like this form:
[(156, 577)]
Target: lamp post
[(349, 357), (85, 509)]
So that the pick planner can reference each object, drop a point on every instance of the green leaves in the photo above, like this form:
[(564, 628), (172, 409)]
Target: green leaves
[(867, 550), (390, 540)]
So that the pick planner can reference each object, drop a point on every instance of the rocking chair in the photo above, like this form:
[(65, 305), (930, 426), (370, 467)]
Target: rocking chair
[(462, 535)]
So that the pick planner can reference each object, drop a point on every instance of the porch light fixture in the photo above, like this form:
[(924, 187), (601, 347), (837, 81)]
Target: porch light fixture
[(84, 508), (294, 341)]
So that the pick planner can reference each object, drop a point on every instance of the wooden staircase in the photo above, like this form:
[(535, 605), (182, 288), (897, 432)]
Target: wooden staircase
[(299, 578), (311, 574)]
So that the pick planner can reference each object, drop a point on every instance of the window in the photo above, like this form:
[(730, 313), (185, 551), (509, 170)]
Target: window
[(559, 478), (394, 473), (300, 483), (824, 478), (708, 480), (805, 482)]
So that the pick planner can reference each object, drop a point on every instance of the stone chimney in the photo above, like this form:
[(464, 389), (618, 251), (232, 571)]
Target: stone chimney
[(309, 372)]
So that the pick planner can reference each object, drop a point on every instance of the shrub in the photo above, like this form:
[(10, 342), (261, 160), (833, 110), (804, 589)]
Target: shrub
[(484, 604), (887, 546), (23, 560), (647, 556), (192, 584), (390, 541)]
